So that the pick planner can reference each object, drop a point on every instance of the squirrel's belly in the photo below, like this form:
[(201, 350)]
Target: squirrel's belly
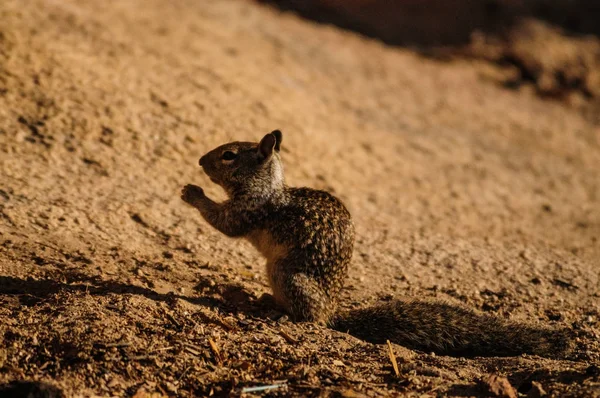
[(273, 252), (263, 241)]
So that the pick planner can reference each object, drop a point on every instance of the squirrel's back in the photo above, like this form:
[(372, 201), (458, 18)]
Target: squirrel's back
[(307, 239)]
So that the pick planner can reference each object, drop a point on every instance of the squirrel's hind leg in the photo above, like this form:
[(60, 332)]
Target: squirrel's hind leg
[(306, 299)]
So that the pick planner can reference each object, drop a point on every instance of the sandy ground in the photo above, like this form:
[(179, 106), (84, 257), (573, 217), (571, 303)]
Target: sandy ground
[(460, 188)]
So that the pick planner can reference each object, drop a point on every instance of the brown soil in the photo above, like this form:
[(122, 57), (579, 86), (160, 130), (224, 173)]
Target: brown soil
[(109, 285)]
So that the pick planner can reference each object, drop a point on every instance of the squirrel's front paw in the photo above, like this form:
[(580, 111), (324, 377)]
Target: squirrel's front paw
[(190, 193)]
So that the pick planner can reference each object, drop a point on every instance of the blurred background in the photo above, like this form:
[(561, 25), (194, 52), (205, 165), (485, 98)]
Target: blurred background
[(551, 44)]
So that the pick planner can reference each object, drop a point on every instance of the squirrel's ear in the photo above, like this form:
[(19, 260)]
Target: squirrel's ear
[(278, 138), (266, 145)]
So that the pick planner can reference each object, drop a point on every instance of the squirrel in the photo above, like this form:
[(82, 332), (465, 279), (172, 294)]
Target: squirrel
[(307, 237)]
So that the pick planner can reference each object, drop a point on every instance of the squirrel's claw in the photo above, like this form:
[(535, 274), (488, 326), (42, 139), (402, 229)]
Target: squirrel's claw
[(191, 192)]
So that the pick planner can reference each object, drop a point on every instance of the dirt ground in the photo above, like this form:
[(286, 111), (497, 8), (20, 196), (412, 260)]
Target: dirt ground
[(460, 188)]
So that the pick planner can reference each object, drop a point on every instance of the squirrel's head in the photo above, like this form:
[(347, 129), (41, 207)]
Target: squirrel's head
[(246, 167)]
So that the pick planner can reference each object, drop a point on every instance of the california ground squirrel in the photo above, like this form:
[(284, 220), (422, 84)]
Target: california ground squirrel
[(307, 237)]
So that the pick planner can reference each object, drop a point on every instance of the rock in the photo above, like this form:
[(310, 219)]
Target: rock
[(499, 386)]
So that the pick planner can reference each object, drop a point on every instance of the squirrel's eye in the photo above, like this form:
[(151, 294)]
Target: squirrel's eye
[(228, 155)]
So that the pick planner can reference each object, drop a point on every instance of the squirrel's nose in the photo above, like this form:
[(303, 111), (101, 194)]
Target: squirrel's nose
[(202, 160)]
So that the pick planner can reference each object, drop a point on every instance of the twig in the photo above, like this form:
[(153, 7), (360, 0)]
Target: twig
[(263, 388), (44, 365), (393, 359), (142, 357), (184, 372), (287, 337), (225, 325), (172, 319), (119, 344), (191, 350), (161, 349), (215, 350)]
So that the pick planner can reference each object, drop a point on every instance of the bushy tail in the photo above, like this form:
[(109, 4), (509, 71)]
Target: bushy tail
[(447, 329)]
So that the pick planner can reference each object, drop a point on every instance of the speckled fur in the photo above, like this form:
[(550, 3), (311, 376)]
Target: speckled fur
[(437, 326), (307, 237)]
